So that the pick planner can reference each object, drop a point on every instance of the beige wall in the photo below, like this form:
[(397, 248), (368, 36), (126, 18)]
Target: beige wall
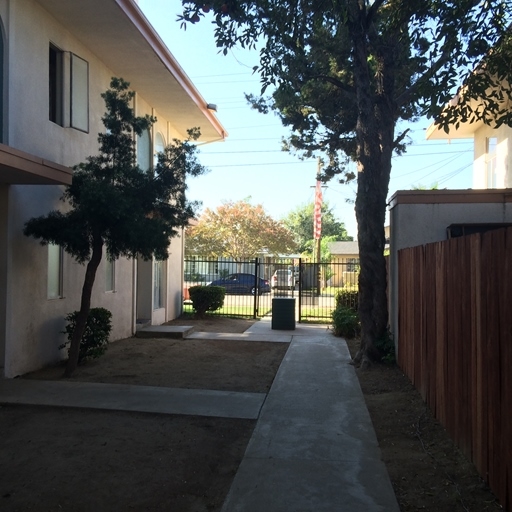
[(503, 157), (31, 323), (343, 278)]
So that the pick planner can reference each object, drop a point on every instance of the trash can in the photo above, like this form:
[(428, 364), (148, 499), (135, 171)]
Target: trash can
[(283, 313)]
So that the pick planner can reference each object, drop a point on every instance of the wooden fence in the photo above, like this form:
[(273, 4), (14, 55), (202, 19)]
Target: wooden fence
[(455, 344)]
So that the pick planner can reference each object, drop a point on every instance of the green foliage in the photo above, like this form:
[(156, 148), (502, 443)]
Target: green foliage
[(413, 54), (238, 230), (194, 277), (310, 248), (345, 322), (94, 341), (300, 223), (386, 347), (420, 186), (207, 298), (347, 299)]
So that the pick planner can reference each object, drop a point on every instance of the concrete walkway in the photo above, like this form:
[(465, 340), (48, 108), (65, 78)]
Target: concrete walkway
[(125, 397), (313, 448)]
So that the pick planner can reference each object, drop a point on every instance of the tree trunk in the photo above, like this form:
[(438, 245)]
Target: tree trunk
[(373, 310), (85, 306), (375, 134)]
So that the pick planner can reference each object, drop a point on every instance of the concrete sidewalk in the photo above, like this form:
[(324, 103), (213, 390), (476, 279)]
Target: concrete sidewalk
[(313, 448), (125, 397)]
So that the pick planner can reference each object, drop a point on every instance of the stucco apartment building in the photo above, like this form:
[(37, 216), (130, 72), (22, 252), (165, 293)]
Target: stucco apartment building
[(56, 58)]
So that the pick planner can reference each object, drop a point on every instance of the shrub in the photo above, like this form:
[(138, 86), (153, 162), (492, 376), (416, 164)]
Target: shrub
[(94, 342), (206, 298), (347, 299), (345, 322), (386, 348)]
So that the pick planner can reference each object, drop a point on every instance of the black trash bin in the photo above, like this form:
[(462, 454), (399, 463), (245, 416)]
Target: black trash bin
[(283, 313)]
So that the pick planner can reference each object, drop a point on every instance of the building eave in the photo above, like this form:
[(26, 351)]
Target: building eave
[(121, 36), (469, 196), (20, 168)]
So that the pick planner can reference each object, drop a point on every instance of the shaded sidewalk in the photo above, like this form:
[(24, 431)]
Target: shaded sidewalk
[(314, 447)]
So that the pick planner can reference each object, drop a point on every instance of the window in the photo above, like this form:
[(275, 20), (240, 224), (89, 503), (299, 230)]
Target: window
[(110, 271), (75, 72), (490, 161), (158, 285), (144, 159), (352, 264), (55, 85), (54, 271), (79, 115), (159, 147)]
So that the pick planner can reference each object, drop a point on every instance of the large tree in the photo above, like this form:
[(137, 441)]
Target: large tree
[(114, 204), (238, 230), (300, 222), (344, 75)]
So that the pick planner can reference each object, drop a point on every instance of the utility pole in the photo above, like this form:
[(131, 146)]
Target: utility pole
[(317, 225)]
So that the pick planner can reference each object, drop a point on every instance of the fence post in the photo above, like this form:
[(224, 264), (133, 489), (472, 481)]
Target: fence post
[(256, 287), (300, 290)]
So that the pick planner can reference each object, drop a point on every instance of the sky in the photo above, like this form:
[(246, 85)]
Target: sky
[(250, 163)]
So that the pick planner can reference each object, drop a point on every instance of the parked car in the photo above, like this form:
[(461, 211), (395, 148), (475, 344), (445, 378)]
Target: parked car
[(242, 283), (283, 279)]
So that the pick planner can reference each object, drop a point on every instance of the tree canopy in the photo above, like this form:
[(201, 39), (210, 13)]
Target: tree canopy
[(240, 231), (344, 76), (300, 222), (115, 204)]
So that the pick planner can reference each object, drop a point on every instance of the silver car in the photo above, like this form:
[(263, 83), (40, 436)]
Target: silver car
[(283, 279)]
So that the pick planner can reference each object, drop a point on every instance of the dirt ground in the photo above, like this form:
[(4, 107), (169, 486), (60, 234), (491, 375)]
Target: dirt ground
[(428, 472), (57, 459)]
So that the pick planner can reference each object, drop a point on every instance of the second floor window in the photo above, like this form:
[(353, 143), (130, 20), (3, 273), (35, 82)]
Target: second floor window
[(55, 85), (490, 161), (79, 107), (144, 156), (73, 109)]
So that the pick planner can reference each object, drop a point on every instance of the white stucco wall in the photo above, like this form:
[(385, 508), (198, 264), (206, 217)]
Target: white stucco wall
[(175, 264), (421, 216), (503, 156), (31, 323)]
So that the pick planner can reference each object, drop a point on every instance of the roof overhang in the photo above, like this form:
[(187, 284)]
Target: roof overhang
[(463, 131), (20, 168), (121, 36), (476, 110), (470, 196)]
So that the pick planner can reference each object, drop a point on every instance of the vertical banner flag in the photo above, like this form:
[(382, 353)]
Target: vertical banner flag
[(317, 215)]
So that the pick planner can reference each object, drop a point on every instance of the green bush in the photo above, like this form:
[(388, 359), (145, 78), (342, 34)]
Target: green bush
[(347, 299), (94, 341), (386, 348), (345, 322), (206, 298)]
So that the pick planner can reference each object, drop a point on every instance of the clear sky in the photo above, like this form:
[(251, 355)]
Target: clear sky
[(250, 162)]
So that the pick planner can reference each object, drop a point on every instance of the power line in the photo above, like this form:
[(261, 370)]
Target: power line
[(443, 163), (222, 74), (299, 162)]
